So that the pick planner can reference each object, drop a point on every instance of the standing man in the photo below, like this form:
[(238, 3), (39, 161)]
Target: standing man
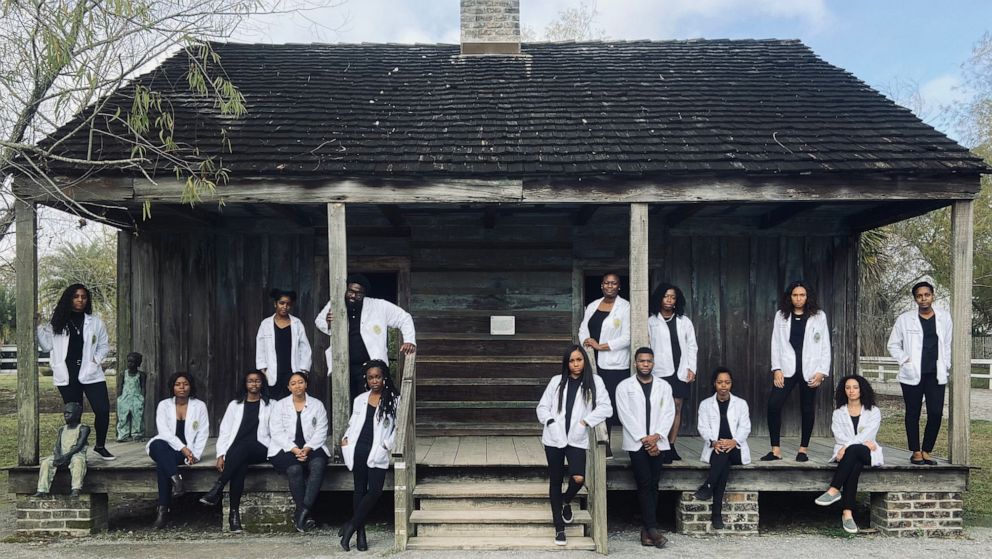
[(647, 411), (921, 343), (368, 321)]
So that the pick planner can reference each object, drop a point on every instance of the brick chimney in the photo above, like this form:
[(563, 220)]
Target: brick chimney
[(490, 26)]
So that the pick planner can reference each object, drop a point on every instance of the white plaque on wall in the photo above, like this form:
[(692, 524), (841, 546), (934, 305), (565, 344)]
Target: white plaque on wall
[(502, 325)]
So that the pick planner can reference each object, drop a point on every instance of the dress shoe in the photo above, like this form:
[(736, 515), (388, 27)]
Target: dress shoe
[(234, 521), (161, 517), (646, 539), (659, 539)]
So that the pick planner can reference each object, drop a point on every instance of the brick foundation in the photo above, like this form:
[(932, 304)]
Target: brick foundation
[(909, 514), (263, 512), (740, 514), (62, 515)]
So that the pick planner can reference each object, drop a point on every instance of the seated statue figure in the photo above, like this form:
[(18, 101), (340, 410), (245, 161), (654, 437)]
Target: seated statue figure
[(70, 450)]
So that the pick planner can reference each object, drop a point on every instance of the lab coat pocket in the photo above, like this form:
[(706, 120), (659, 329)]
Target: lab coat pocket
[(348, 453)]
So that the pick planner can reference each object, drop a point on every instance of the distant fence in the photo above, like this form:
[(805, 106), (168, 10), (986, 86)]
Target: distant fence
[(885, 369), (8, 358)]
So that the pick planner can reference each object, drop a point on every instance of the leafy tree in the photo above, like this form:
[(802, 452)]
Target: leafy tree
[(92, 263), (577, 23)]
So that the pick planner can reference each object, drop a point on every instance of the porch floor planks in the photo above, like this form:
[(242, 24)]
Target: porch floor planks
[(501, 452)]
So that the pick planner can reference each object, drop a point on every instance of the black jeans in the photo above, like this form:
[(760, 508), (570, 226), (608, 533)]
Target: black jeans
[(96, 393), (913, 396), (236, 462), (304, 478), (807, 404), (647, 474), (368, 486), (576, 458), (856, 457), (167, 461), (720, 463)]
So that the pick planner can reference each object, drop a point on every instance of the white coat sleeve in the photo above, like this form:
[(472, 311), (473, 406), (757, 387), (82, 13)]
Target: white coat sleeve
[(261, 351), (102, 346), (743, 425), (396, 317), (389, 437), (200, 439), (704, 424), (946, 340), (584, 326), (167, 432), (46, 338), (319, 436), (871, 421), (623, 341), (667, 413), (349, 430), (627, 415), (691, 348), (603, 407), (321, 320), (227, 430), (544, 407), (839, 429), (776, 346), (825, 352), (303, 349), (279, 431), (895, 345)]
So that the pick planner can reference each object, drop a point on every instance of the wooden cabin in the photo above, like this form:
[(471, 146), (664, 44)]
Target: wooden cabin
[(499, 179)]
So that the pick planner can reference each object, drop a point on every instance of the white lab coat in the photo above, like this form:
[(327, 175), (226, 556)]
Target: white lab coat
[(661, 344), (630, 409), (816, 346), (197, 426), (383, 434), (231, 423), (282, 425), (96, 345), (708, 425), (616, 332), (593, 413), (265, 348), (906, 346), (377, 316), (868, 425)]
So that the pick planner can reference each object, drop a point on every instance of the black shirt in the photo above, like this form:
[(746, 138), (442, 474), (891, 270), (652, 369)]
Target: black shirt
[(357, 352), (249, 423), (647, 405), (928, 360), (181, 430), (74, 353), (676, 348), (854, 420), (596, 324), (366, 436), (797, 335), (299, 439), (724, 422), (571, 390), (284, 353)]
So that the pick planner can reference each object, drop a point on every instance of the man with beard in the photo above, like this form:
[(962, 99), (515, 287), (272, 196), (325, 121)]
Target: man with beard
[(368, 321)]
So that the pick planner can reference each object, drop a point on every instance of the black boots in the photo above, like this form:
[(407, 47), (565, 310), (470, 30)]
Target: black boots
[(363, 542), (300, 520), (177, 485), (213, 497), (346, 532), (160, 520), (234, 521)]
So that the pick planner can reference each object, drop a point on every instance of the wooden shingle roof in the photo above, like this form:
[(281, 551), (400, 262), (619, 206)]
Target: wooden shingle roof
[(560, 109)]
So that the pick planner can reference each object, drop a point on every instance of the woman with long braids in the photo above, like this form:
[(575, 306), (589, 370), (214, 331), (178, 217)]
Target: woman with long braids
[(800, 357), (574, 401), (243, 440), (366, 445), (78, 343)]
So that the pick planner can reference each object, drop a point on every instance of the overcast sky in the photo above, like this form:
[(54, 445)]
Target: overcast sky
[(883, 42)]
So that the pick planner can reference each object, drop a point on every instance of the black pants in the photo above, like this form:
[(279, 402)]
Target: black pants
[(557, 457), (99, 400), (356, 379), (856, 457), (807, 404), (368, 486), (720, 463), (612, 378), (647, 474), (304, 478), (913, 396), (236, 462), (167, 461)]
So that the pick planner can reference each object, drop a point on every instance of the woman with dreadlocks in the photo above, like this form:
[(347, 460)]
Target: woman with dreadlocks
[(574, 401), (366, 445)]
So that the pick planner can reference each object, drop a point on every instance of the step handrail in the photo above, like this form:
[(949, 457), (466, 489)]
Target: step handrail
[(596, 477), (405, 452)]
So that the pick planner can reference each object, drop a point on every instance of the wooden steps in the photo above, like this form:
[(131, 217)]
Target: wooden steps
[(497, 543)]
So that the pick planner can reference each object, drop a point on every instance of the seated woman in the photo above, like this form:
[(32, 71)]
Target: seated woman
[(243, 440), (297, 446), (366, 445), (855, 425), (573, 402), (724, 423), (183, 426)]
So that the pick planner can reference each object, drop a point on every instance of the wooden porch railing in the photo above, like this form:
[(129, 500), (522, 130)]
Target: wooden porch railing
[(596, 477), (405, 452)]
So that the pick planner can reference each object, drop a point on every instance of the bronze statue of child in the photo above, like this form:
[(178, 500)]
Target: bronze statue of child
[(70, 450)]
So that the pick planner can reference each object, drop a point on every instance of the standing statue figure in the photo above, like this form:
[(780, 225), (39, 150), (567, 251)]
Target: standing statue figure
[(131, 401), (70, 450)]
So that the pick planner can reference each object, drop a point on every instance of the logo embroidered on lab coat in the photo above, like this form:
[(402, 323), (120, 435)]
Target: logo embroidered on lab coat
[(196, 425), (816, 338), (313, 421), (616, 323), (377, 329)]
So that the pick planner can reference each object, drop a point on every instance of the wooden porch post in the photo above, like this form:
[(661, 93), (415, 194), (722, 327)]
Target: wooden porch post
[(962, 251), (638, 276), (27, 337), (125, 343), (337, 257)]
